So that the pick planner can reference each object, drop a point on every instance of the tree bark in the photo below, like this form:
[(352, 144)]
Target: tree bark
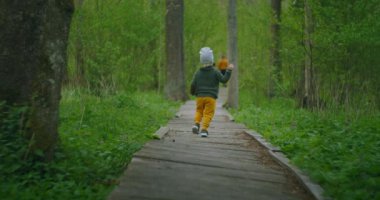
[(33, 42), (275, 59), (175, 87), (233, 87)]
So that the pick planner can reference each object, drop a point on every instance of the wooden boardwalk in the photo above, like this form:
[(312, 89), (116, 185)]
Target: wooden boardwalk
[(228, 164)]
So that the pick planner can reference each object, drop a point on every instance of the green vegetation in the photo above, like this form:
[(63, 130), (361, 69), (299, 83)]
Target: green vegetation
[(340, 153), (116, 71), (98, 136), (117, 45), (345, 68), (120, 45), (338, 143)]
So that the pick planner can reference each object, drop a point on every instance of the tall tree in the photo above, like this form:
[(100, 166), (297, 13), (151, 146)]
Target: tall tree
[(275, 60), (233, 88), (175, 87), (310, 94), (33, 41), (79, 57)]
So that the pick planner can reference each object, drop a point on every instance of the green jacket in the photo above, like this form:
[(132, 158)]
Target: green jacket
[(206, 80)]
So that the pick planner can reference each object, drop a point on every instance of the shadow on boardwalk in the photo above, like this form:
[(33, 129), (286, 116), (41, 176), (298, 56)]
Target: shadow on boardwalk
[(227, 165)]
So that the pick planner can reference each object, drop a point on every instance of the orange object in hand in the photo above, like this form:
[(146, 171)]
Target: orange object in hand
[(223, 63)]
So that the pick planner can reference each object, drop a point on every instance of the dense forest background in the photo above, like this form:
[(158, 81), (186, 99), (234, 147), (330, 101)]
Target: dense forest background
[(111, 49), (319, 100)]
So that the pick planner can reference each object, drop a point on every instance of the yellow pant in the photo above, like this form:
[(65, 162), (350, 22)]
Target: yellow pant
[(205, 111)]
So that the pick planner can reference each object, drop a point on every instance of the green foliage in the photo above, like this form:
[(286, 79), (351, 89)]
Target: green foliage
[(345, 47), (121, 44), (97, 139), (205, 25), (12, 143), (342, 154), (254, 18)]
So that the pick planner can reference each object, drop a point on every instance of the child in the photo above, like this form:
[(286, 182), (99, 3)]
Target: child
[(205, 86), (222, 64)]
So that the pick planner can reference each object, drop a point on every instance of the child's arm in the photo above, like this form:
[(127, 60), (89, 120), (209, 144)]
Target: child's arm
[(227, 75)]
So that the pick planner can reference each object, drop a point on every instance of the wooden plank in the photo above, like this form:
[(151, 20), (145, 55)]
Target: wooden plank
[(160, 133), (211, 160), (239, 148), (190, 118), (159, 181), (228, 149), (212, 137), (212, 134), (212, 125), (180, 149)]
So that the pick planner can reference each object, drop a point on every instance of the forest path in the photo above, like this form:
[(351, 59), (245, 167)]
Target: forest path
[(229, 164)]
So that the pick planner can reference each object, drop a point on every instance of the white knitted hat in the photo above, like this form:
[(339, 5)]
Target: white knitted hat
[(206, 55)]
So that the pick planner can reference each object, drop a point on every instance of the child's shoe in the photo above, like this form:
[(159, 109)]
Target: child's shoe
[(204, 133), (196, 128)]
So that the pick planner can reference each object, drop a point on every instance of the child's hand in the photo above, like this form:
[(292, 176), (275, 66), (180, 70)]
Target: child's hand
[(230, 67)]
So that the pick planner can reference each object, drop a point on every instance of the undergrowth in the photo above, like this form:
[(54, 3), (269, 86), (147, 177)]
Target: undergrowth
[(340, 153), (98, 136)]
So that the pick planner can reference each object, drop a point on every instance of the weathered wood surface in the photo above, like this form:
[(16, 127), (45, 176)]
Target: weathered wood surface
[(226, 165)]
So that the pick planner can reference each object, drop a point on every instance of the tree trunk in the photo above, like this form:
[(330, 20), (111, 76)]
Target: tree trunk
[(175, 87), (233, 87), (309, 97), (79, 57), (33, 41), (275, 59), (160, 68)]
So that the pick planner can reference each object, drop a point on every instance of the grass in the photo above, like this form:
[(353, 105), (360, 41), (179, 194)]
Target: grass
[(341, 154), (98, 136)]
